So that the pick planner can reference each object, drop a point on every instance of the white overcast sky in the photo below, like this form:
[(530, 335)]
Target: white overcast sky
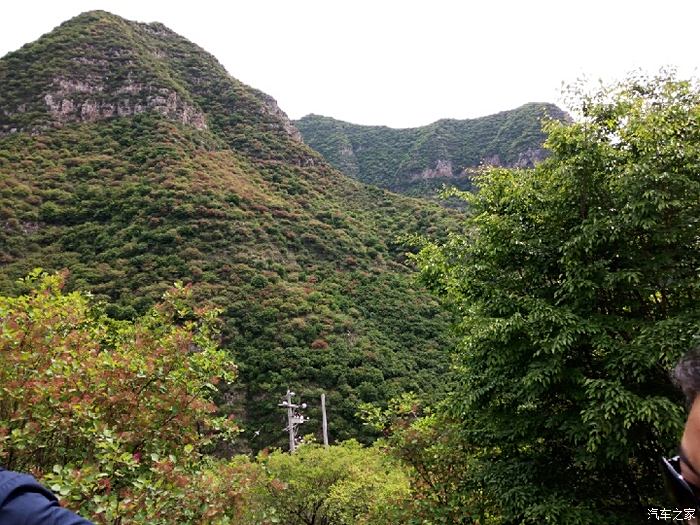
[(405, 63)]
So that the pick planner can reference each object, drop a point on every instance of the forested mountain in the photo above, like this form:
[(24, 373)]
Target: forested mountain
[(130, 157), (418, 161)]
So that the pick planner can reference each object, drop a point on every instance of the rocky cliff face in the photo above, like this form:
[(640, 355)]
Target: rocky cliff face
[(272, 109), (87, 101), (442, 169)]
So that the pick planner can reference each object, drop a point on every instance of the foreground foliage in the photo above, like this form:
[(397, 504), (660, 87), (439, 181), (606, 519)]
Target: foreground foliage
[(116, 416), (578, 289), (345, 484), (439, 464)]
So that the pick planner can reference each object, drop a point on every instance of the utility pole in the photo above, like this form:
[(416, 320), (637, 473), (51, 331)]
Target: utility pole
[(325, 421), (294, 419)]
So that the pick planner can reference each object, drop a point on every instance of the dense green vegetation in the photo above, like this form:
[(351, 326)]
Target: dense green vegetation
[(344, 485), (117, 418), (572, 288), (408, 160), (303, 261), (578, 288)]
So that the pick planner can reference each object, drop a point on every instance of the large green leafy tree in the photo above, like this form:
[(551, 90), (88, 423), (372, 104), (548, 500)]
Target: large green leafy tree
[(577, 287)]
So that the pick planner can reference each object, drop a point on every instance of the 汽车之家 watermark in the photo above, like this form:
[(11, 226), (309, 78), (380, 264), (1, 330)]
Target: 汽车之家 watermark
[(670, 514)]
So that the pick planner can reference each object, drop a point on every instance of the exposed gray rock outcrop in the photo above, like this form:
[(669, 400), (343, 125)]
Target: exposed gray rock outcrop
[(88, 100), (271, 108)]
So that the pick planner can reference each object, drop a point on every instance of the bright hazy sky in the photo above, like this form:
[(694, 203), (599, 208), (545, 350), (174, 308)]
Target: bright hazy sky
[(405, 63)]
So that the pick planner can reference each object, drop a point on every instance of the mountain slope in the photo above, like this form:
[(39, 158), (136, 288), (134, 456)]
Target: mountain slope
[(129, 156), (418, 161)]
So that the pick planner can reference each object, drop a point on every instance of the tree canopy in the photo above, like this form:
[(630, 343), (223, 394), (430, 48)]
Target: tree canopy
[(577, 289), (117, 418), (346, 484)]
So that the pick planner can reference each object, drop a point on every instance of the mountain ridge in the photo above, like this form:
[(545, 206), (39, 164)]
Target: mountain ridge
[(432, 123), (419, 160)]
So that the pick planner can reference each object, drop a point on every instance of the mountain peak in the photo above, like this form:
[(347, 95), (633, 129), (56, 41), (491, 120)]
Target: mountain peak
[(92, 67), (99, 66)]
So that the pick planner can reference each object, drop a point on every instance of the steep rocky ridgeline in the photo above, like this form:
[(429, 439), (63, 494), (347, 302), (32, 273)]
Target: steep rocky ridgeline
[(129, 156), (418, 161)]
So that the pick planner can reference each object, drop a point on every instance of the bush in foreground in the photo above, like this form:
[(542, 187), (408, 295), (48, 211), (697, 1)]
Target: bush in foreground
[(116, 416)]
